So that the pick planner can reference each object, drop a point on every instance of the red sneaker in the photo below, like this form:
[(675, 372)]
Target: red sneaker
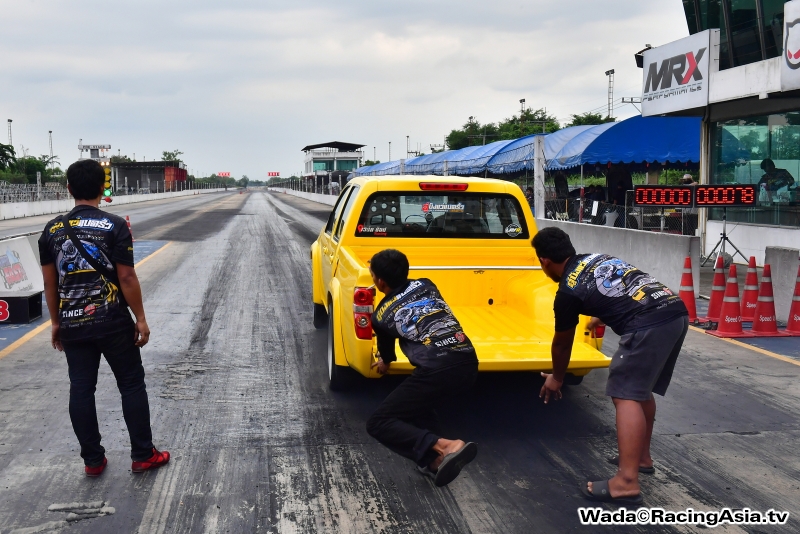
[(157, 460), (97, 470)]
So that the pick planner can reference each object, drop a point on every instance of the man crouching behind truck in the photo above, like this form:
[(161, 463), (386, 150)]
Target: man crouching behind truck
[(444, 363), (652, 322)]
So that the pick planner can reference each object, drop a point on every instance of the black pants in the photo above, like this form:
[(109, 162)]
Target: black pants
[(406, 420), (83, 358)]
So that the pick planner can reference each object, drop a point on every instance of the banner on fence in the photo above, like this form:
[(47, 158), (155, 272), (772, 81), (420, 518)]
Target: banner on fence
[(19, 269)]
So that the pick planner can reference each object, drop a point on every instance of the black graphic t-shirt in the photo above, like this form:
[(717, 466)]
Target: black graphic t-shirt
[(623, 297), (90, 303), (429, 334)]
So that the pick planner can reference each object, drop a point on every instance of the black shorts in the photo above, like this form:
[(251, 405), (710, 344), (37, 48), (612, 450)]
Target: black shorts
[(644, 361)]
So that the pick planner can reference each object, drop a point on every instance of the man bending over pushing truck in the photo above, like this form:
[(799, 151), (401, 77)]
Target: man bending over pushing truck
[(652, 323), (444, 363)]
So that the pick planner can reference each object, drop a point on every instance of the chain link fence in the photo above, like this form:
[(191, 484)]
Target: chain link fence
[(32, 192), (600, 211)]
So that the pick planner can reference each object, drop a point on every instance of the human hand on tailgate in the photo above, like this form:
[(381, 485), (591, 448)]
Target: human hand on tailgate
[(382, 367)]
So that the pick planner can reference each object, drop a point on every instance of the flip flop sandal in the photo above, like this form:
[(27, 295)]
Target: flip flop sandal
[(614, 460), (601, 493), (453, 463)]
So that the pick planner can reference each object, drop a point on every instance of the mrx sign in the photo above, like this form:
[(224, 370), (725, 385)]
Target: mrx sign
[(676, 75)]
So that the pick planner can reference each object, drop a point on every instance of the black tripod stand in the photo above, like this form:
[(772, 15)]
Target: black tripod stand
[(722, 240)]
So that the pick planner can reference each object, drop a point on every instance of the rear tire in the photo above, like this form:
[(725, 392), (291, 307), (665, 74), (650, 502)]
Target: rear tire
[(339, 376), (320, 316), (572, 380)]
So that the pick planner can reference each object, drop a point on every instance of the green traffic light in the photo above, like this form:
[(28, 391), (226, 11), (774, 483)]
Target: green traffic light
[(107, 193)]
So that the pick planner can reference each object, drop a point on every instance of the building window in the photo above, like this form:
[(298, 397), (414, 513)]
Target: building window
[(750, 30), (323, 165), (346, 164), (764, 151)]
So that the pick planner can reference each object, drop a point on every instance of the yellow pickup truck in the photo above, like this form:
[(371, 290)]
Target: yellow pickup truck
[(471, 237)]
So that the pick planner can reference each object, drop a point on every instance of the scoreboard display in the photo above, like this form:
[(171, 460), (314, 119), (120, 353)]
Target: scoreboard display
[(689, 196)]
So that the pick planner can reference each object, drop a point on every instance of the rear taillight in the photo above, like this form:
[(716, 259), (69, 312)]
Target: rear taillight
[(363, 299), (599, 331)]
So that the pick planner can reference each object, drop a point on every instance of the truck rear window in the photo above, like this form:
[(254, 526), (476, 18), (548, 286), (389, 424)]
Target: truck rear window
[(469, 215)]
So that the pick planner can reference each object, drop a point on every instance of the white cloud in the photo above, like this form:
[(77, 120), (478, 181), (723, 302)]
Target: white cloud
[(244, 85)]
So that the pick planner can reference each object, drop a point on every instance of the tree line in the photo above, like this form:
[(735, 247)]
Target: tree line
[(22, 169), (528, 122)]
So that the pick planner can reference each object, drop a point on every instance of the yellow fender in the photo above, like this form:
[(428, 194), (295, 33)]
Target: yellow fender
[(336, 310), (317, 292)]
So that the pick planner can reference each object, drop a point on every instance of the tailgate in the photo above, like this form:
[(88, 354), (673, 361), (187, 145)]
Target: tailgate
[(505, 340)]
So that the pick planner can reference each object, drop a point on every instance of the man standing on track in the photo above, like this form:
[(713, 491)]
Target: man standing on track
[(652, 322), (89, 283), (444, 360)]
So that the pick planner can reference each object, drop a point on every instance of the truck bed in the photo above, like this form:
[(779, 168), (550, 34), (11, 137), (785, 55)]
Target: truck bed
[(506, 340), (506, 309)]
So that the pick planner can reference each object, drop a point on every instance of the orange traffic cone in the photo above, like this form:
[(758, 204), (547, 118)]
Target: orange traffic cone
[(730, 319), (750, 292), (717, 292), (686, 291), (765, 323), (128, 220), (793, 326)]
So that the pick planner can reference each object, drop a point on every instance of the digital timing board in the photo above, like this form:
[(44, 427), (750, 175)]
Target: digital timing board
[(690, 196)]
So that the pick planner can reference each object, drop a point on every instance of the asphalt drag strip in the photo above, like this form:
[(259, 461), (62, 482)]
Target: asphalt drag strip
[(236, 376)]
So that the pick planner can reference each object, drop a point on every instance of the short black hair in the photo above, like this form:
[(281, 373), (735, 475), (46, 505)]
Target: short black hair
[(391, 266), (85, 178), (554, 244)]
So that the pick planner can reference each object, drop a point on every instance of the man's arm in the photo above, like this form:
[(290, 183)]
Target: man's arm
[(386, 347), (561, 351), (129, 284), (50, 276), (386, 352), (567, 310)]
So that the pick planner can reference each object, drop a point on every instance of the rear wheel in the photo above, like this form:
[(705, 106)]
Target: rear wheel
[(339, 376), (572, 380), (320, 316)]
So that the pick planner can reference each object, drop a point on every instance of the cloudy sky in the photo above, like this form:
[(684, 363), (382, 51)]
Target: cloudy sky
[(242, 86)]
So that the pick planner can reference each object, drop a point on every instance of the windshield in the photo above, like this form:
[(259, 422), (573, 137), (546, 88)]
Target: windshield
[(470, 215)]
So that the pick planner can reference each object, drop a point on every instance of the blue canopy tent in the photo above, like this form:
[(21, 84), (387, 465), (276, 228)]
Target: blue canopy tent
[(635, 140), (474, 159), (515, 157), (429, 164)]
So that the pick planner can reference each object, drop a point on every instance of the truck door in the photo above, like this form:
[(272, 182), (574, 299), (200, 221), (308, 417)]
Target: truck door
[(330, 240), (338, 227)]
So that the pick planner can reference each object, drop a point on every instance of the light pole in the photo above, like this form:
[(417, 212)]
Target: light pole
[(390, 151), (50, 134), (9, 133), (610, 74)]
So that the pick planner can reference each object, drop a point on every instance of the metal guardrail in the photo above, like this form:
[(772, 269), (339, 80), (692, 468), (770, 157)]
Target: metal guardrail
[(32, 192)]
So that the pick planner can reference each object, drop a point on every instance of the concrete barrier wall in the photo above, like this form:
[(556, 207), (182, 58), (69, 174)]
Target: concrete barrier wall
[(757, 236), (330, 200), (15, 210), (661, 255), (783, 263)]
